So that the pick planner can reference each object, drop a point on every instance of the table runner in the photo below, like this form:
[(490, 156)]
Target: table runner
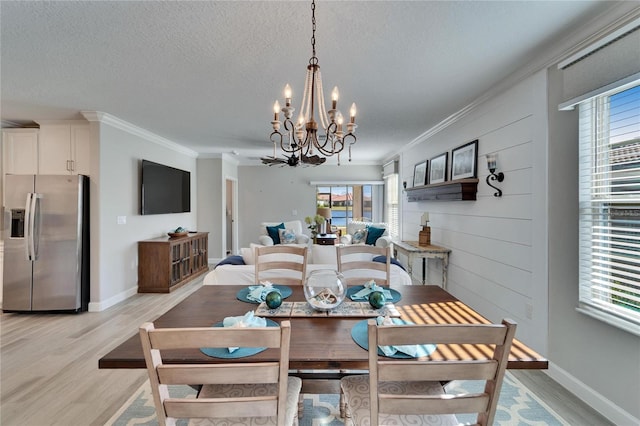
[(345, 309)]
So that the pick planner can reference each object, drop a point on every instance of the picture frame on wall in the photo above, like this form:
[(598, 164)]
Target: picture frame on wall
[(464, 161), (420, 174), (438, 169)]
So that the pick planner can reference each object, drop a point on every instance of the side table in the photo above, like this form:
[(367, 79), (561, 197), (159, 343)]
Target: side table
[(326, 239), (413, 250)]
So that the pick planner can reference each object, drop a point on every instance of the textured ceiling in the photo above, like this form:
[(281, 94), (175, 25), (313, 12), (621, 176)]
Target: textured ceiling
[(205, 74)]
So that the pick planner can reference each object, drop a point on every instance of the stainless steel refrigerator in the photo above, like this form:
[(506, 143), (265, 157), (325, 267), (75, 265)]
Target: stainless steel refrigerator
[(46, 243)]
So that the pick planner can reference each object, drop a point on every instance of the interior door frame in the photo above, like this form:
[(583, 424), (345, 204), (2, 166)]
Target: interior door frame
[(234, 215)]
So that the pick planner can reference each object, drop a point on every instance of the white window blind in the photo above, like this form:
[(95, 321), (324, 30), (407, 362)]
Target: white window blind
[(610, 208), (392, 204)]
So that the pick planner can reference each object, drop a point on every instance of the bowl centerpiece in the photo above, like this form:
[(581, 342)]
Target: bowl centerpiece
[(324, 289)]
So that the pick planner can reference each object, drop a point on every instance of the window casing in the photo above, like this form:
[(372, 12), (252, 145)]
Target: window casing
[(610, 208), (392, 204)]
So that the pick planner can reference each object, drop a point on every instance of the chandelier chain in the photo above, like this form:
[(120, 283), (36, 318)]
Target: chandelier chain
[(314, 59)]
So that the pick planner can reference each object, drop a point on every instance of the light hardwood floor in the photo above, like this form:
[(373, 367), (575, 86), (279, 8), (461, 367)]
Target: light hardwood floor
[(50, 375)]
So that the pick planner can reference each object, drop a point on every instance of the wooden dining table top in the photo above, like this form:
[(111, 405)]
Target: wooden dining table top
[(322, 343)]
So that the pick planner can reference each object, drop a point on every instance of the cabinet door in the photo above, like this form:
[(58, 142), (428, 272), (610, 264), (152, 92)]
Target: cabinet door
[(54, 151), (81, 150), (20, 151)]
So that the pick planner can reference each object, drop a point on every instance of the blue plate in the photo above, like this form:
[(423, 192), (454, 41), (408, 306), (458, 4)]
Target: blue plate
[(238, 353), (359, 335), (395, 295), (284, 291)]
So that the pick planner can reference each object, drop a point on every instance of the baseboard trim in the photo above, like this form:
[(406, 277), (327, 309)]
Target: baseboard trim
[(104, 304), (598, 402)]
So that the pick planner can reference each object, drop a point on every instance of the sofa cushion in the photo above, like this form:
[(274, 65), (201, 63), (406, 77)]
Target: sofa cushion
[(325, 255), (383, 259), (273, 232), (373, 233), (231, 260)]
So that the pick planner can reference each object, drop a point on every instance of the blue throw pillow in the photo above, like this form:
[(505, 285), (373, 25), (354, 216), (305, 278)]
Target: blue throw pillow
[(383, 259), (231, 260), (373, 234), (273, 232)]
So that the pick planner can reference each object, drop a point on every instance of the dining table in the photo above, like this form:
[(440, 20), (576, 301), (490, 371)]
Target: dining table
[(322, 346)]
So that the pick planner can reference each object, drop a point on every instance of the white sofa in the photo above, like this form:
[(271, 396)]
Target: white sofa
[(295, 225), (321, 257), (353, 226)]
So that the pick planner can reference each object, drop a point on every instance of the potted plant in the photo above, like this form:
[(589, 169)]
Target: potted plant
[(314, 223)]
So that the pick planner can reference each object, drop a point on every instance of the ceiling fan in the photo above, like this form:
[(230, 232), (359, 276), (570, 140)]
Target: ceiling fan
[(294, 161)]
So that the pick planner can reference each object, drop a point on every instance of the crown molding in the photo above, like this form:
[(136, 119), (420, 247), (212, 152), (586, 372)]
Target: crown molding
[(555, 52), (104, 118)]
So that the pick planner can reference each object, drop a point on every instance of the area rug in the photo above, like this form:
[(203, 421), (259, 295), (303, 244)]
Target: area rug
[(517, 406)]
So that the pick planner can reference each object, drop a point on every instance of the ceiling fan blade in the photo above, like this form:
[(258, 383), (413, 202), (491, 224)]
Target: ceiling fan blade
[(314, 160)]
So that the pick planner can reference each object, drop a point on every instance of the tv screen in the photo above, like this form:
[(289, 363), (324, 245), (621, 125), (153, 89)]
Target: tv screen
[(165, 189)]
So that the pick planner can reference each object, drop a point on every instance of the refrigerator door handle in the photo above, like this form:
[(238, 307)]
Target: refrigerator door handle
[(32, 213), (35, 225), (27, 228)]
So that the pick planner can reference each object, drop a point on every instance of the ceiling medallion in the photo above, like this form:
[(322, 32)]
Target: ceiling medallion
[(299, 142)]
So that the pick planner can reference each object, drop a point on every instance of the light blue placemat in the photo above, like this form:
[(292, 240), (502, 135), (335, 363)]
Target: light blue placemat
[(243, 293), (238, 353), (359, 335), (395, 295)]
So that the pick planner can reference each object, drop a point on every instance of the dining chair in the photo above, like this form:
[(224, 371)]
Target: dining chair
[(281, 264), (356, 263), (409, 391), (235, 392)]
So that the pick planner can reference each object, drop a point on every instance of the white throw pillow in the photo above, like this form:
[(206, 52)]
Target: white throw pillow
[(287, 236), (359, 236)]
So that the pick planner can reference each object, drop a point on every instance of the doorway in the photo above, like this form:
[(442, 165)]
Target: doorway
[(230, 217)]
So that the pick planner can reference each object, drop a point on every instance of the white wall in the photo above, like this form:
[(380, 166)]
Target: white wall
[(498, 249), (272, 194), (212, 174), (588, 356), (116, 192)]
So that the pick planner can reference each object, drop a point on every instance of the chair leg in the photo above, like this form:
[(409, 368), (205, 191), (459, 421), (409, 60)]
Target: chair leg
[(343, 407)]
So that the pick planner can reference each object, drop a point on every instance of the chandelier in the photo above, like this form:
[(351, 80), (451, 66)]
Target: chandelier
[(301, 141)]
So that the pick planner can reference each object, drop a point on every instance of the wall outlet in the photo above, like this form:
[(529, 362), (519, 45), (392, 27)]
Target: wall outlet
[(294, 212), (121, 220), (529, 310)]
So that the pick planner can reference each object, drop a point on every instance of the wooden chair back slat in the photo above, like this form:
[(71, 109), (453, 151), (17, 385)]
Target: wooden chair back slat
[(219, 374), (221, 407), (437, 371)]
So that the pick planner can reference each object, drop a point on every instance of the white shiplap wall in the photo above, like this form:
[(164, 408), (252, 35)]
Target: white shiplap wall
[(498, 245)]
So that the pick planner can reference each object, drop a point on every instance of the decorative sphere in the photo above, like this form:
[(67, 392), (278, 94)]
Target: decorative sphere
[(273, 299), (324, 289), (377, 299)]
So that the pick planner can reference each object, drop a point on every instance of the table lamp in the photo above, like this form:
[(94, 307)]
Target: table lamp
[(424, 236), (326, 213)]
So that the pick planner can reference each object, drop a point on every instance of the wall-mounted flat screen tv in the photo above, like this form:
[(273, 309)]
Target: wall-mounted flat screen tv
[(164, 189)]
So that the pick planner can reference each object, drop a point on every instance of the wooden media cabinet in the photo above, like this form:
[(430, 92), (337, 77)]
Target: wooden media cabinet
[(165, 264)]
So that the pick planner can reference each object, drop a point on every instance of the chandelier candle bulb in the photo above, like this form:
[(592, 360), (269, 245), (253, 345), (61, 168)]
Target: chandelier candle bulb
[(276, 110), (352, 112), (334, 97), (287, 94)]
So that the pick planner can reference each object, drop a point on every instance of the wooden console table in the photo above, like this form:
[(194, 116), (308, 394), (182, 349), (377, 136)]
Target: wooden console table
[(413, 250)]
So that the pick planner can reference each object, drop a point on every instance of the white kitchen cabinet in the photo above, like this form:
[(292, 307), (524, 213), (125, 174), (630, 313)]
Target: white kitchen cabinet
[(20, 151), (64, 148)]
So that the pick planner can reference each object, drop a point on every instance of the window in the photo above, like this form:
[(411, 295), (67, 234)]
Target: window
[(391, 200), (347, 202), (610, 208)]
